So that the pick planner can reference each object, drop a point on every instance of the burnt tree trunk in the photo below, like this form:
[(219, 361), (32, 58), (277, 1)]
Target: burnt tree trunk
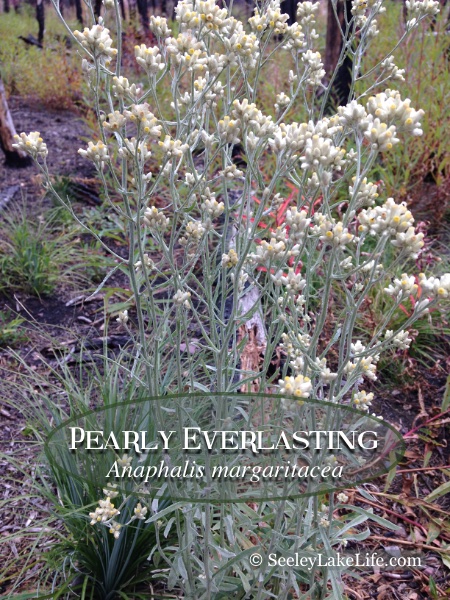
[(335, 41), (142, 6), (40, 16), (289, 7), (79, 12), (132, 9), (97, 8), (13, 157)]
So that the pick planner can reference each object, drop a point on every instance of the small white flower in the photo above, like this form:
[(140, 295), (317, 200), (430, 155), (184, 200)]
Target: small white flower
[(122, 88), (362, 400), (32, 144), (380, 135), (140, 511), (155, 219), (97, 152), (343, 498), (148, 265), (123, 317), (173, 148), (149, 59), (115, 529), (231, 259), (282, 101), (182, 298), (402, 287), (401, 340), (98, 42), (299, 386)]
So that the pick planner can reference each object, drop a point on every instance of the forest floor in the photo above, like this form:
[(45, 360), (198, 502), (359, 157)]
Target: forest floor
[(412, 404)]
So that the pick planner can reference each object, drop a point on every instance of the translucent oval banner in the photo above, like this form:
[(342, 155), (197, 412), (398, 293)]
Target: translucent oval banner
[(224, 447)]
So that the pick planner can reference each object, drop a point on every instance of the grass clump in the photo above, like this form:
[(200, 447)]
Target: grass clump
[(49, 76), (97, 564), (40, 254), (11, 332)]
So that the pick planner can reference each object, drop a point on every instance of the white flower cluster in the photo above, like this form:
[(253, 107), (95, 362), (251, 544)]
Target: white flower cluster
[(155, 219), (298, 223), (182, 298), (295, 348), (392, 70), (229, 130), (394, 220), (401, 288), (320, 151), (144, 118), (268, 251), (140, 511), (32, 144), (269, 17), (314, 138), (362, 368), (172, 148), (399, 340), (417, 9), (97, 152), (135, 150), (147, 264), (122, 88), (292, 281), (337, 235), (315, 70), (98, 42), (384, 116), (299, 386), (365, 194), (149, 59), (104, 512), (380, 136), (210, 205), (389, 108), (251, 120), (436, 287), (362, 400), (193, 233), (122, 318), (231, 259), (306, 13), (282, 101)]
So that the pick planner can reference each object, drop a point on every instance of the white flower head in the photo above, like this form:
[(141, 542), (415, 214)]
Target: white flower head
[(32, 144)]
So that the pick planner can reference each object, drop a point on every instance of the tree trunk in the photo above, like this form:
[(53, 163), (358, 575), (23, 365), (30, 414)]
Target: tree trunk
[(123, 9), (97, 8), (289, 7), (79, 11), (334, 43), (13, 157), (132, 11), (6, 6), (40, 16), (143, 13)]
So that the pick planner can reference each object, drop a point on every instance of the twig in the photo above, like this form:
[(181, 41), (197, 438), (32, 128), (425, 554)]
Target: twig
[(391, 512), (422, 469), (411, 431), (381, 538)]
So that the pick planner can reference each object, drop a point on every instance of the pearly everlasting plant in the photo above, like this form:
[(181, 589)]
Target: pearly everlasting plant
[(205, 256)]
